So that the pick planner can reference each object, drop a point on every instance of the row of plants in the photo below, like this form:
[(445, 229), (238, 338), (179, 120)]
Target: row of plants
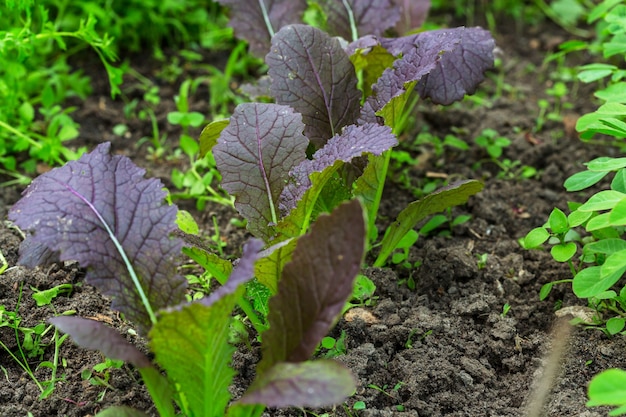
[(590, 237), (322, 144)]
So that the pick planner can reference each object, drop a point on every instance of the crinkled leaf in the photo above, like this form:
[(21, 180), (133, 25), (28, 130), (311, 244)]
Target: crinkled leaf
[(313, 74), (446, 63), (256, 21), (92, 334), (191, 341), (254, 155), (354, 141), (449, 196), (307, 384), (100, 211), (413, 14), (314, 286), (368, 17)]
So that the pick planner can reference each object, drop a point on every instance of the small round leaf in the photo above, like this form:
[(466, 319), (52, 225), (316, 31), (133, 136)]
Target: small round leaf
[(536, 237), (563, 252)]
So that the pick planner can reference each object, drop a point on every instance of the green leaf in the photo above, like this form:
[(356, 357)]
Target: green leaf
[(603, 200), (563, 252), (269, 268), (210, 134), (369, 187), (613, 93), (606, 246), (617, 216), (186, 222), (452, 195), (608, 388), (606, 163), (216, 266), (582, 180), (619, 181), (595, 72), (601, 221), (160, 390), (587, 283), (614, 264), (545, 290), (393, 111), (372, 62), (191, 344), (558, 221), (297, 221), (576, 218), (615, 325)]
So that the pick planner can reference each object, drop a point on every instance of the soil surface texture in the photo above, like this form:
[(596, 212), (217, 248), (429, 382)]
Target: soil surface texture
[(440, 347)]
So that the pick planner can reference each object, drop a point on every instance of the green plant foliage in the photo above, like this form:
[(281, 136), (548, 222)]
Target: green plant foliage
[(609, 388)]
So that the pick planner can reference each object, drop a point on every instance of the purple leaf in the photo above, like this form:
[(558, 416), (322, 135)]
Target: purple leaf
[(313, 74), (413, 14), (256, 21), (100, 211), (307, 384), (254, 154), (370, 17), (353, 142), (92, 334), (314, 285), (446, 63)]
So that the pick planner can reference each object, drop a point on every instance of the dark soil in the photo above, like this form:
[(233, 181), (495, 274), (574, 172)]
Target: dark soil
[(443, 348)]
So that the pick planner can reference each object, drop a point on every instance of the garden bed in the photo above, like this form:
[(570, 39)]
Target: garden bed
[(443, 346)]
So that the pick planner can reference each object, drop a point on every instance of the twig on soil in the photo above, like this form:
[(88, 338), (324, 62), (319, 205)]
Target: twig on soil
[(543, 387)]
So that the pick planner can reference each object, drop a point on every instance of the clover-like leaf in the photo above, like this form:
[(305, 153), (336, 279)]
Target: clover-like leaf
[(254, 154), (312, 73), (101, 212)]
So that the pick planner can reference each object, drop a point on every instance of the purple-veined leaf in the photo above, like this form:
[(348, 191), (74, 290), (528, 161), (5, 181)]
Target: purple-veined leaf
[(306, 384), (413, 14), (254, 154), (92, 334), (101, 212), (256, 21), (445, 64), (314, 285), (190, 341), (353, 142), (365, 17), (313, 74)]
